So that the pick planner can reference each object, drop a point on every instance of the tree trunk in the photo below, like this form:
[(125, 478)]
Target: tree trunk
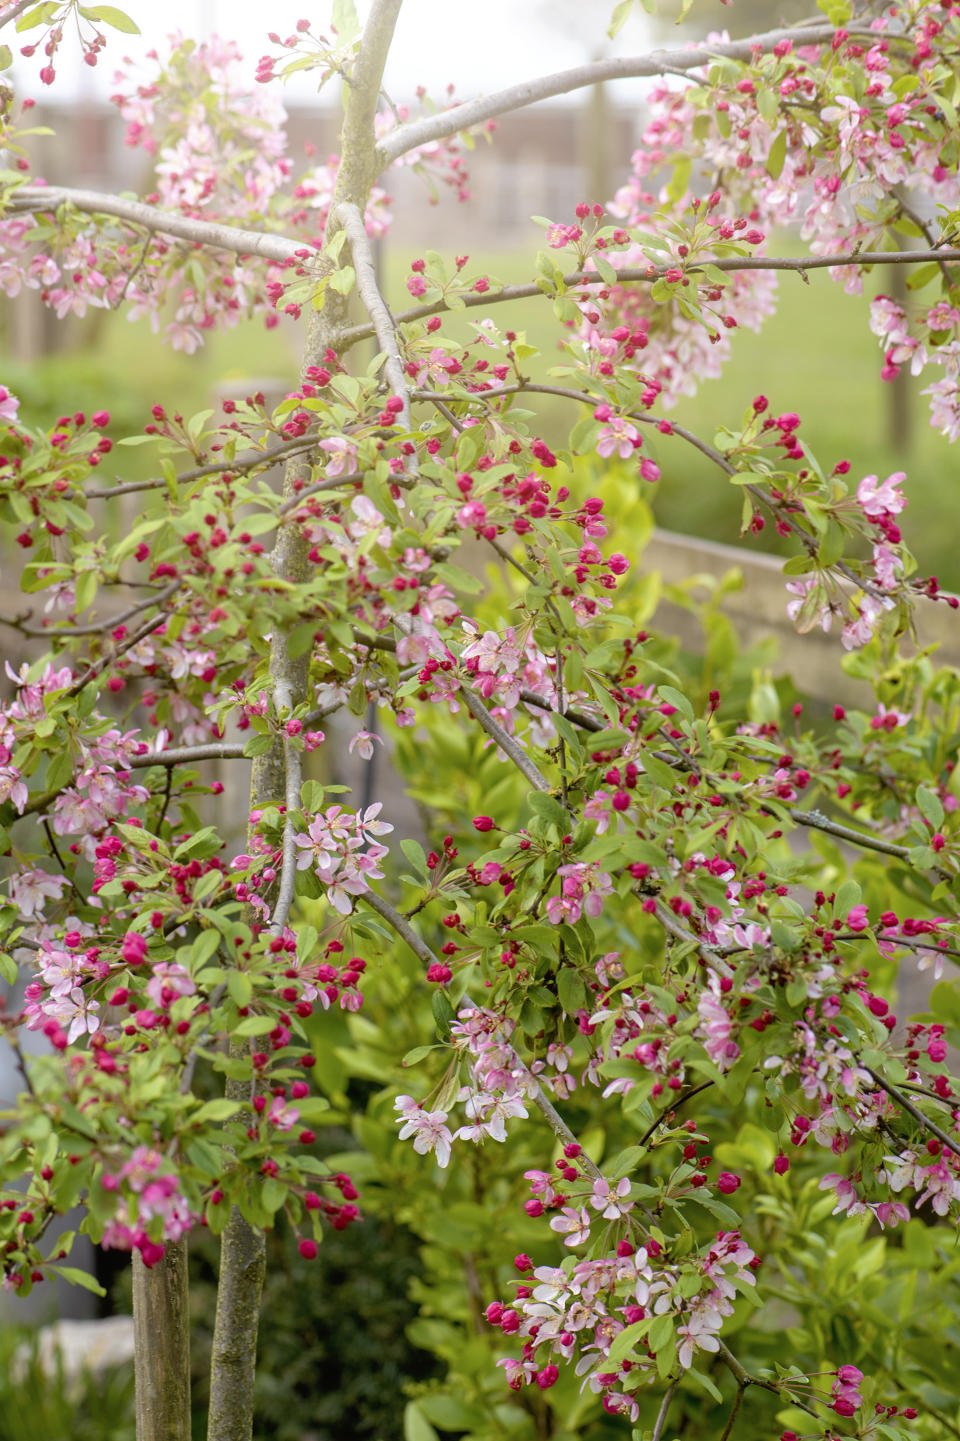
[(161, 1331), (242, 1246), (243, 1265)]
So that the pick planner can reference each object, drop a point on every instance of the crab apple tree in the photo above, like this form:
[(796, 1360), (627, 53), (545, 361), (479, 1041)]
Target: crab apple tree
[(658, 922)]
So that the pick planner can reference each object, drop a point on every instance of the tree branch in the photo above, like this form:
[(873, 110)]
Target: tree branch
[(15, 9), (818, 822), (629, 275), (187, 755), (301, 446), (292, 766), (661, 1420), (167, 222), (907, 1105), (402, 927), (504, 740), (94, 627), (630, 67), (376, 307)]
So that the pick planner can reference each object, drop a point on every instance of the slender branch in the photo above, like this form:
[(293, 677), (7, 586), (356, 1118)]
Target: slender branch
[(402, 927), (16, 9), (187, 755), (167, 222), (94, 627), (734, 1412), (709, 953), (631, 275), (545, 1106), (818, 822), (669, 1110), (376, 307), (575, 717), (907, 1105), (292, 765), (265, 458), (645, 418), (661, 1420), (515, 97), (330, 482), (504, 741), (745, 1378), (94, 670)]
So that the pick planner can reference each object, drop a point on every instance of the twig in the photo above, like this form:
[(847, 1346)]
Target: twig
[(575, 717), (912, 1110), (94, 670), (709, 953), (167, 791), (330, 482), (674, 1105), (745, 1378), (561, 1130)]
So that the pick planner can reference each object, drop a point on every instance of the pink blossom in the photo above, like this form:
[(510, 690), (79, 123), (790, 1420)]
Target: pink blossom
[(9, 404), (881, 497)]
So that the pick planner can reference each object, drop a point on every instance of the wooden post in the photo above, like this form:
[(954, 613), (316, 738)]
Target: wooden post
[(161, 1336)]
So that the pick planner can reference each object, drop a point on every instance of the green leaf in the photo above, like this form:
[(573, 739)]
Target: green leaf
[(571, 990), (549, 809), (414, 1057), (660, 1332), (677, 700), (255, 1026), (777, 155), (240, 988), (344, 18), (624, 1343), (416, 1427), (342, 281), (110, 15), (619, 18), (219, 1109), (39, 15), (274, 1194), (76, 1277), (929, 806)]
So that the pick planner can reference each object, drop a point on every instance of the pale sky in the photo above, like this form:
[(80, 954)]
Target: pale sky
[(478, 46)]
